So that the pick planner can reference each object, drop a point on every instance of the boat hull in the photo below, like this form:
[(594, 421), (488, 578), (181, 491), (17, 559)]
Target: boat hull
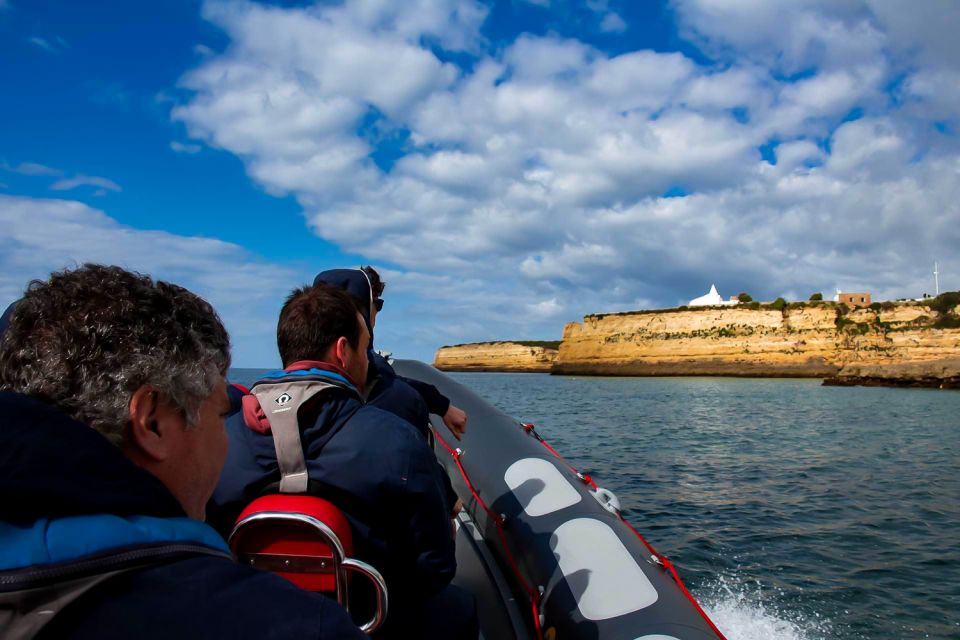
[(584, 572)]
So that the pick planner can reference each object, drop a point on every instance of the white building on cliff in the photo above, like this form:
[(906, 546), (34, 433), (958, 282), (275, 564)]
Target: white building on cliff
[(711, 299)]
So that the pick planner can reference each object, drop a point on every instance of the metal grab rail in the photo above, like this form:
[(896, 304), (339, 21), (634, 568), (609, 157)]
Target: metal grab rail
[(341, 565)]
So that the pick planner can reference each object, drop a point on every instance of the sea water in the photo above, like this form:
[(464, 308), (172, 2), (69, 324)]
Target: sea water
[(793, 511)]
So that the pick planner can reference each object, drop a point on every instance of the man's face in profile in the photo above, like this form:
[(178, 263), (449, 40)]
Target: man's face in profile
[(201, 450)]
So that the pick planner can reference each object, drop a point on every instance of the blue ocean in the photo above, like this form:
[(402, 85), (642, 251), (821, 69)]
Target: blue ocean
[(793, 511)]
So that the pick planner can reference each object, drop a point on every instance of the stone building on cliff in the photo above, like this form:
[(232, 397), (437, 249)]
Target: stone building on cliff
[(854, 299)]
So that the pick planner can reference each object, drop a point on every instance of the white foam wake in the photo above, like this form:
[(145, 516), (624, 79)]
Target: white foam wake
[(742, 612)]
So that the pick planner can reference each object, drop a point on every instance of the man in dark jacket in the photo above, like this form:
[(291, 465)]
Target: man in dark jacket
[(410, 399), (112, 400), (368, 462)]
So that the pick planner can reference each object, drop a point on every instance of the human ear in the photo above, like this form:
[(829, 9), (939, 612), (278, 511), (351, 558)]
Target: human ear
[(342, 352), (147, 423)]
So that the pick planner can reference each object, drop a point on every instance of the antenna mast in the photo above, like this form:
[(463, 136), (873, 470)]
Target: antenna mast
[(936, 278)]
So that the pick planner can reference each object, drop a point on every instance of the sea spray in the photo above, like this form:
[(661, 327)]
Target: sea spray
[(743, 612)]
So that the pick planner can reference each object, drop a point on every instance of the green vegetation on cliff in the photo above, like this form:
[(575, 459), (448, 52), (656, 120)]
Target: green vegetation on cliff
[(546, 344), (944, 304)]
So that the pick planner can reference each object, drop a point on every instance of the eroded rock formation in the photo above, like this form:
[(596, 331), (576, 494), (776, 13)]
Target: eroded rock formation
[(497, 356), (907, 344), (809, 340)]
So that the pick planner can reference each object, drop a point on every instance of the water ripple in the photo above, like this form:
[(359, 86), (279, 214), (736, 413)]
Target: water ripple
[(794, 511)]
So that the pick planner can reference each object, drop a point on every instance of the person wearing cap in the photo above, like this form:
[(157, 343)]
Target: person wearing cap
[(410, 399)]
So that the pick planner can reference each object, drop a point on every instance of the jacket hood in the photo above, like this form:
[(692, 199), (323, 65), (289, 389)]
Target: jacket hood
[(354, 282), (52, 466)]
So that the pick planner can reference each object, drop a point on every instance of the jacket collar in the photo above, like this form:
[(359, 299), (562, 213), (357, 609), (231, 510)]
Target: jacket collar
[(52, 466)]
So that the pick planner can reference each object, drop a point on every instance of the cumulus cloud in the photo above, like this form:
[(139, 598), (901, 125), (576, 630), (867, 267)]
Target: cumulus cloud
[(549, 176), (43, 235), (613, 23)]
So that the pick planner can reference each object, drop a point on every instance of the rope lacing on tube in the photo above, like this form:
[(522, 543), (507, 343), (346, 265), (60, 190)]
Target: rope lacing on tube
[(500, 521), (660, 559)]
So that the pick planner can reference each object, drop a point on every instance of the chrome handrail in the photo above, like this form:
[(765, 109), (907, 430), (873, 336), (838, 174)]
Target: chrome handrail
[(320, 527), (379, 584)]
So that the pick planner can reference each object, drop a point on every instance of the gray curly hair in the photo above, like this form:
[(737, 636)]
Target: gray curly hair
[(86, 339)]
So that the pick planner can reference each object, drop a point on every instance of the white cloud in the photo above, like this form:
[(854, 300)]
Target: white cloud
[(788, 36), (927, 30), (791, 155), (67, 184), (613, 23), (44, 235), (187, 148), (935, 93), (31, 169), (42, 43), (539, 175), (51, 45), (749, 88)]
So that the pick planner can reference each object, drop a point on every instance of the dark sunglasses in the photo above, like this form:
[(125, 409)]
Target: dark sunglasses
[(378, 303)]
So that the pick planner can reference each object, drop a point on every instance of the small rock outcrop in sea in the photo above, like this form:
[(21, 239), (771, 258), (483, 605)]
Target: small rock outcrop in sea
[(938, 374), (497, 356)]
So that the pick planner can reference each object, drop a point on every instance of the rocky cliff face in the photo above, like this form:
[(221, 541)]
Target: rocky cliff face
[(815, 340), (495, 356)]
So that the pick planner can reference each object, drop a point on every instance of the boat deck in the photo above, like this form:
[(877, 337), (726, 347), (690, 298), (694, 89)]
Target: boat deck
[(478, 572)]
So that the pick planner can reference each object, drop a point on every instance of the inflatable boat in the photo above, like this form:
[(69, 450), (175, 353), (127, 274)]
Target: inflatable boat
[(545, 550)]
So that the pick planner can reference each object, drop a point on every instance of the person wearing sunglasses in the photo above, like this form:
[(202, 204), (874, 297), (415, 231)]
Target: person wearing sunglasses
[(410, 399)]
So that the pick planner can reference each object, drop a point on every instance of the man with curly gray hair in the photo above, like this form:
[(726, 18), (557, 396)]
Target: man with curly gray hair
[(112, 406)]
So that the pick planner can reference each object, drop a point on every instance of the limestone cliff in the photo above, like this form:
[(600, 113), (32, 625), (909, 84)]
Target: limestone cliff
[(497, 356), (811, 339)]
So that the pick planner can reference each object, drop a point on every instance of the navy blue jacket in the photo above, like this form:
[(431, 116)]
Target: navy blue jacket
[(69, 494), (372, 465), (392, 393), (410, 399)]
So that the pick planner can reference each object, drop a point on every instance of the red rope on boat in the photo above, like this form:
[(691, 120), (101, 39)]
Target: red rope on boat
[(585, 477), (662, 559), (669, 566), (533, 594)]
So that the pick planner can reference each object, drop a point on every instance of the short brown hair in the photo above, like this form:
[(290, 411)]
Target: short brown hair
[(313, 318), (377, 285)]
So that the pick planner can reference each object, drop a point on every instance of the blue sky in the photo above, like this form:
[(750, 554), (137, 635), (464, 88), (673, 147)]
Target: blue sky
[(509, 166)]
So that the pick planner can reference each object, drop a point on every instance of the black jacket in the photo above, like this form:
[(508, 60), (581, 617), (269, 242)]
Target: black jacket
[(68, 494), (372, 465)]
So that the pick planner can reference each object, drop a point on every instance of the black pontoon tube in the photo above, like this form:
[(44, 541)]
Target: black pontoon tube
[(585, 571)]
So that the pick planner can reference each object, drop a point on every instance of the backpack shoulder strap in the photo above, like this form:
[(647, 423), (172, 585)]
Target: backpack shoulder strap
[(31, 598), (281, 402)]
